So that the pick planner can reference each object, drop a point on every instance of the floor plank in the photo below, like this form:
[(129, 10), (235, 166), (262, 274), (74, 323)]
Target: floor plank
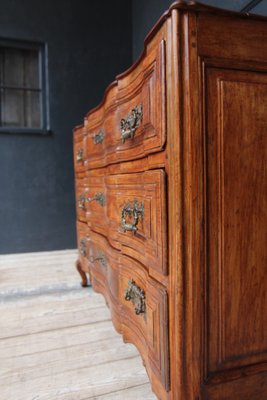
[(46, 341), (139, 392), (56, 339)]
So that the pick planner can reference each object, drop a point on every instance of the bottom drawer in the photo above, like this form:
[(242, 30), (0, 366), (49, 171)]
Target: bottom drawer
[(138, 304)]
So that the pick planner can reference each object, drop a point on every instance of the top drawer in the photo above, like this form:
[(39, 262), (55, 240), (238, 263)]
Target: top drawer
[(134, 125)]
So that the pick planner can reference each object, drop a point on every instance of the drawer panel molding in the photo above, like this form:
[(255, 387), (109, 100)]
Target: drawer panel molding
[(134, 122)]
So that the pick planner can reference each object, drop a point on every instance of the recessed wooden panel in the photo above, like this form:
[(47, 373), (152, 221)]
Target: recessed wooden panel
[(237, 218), (149, 243)]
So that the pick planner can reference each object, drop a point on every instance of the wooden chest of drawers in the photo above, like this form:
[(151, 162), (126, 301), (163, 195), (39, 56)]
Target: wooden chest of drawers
[(171, 184)]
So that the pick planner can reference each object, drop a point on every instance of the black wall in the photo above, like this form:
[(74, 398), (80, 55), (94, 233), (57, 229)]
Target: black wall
[(89, 42), (145, 14)]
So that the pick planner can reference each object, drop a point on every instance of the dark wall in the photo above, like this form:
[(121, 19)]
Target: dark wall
[(89, 42), (146, 13)]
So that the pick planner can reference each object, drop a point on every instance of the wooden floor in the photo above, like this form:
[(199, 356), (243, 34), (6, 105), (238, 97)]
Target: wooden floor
[(56, 338)]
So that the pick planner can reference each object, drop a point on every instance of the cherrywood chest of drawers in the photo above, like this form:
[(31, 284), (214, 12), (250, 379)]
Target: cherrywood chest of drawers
[(171, 184)]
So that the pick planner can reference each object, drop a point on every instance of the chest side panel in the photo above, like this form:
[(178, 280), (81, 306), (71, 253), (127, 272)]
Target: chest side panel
[(236, 219)]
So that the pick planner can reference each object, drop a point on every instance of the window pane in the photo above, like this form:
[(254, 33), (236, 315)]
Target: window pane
[(13, 73), (12, 108), (31, 69), (21, 86), (32, 109)]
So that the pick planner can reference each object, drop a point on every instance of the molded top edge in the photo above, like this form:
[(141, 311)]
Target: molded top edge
[(78, 127), (195, 6), (186, 5)]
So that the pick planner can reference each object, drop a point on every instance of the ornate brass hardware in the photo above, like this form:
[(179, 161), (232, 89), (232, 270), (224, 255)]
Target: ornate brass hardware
[(83, 247), (98, 197), (134, 210), (79, 155), (99, 137), (137, 296), (81, 201), (131, 123), (101, 258)]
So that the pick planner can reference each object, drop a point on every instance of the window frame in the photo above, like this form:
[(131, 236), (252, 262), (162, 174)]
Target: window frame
[(43, 76)]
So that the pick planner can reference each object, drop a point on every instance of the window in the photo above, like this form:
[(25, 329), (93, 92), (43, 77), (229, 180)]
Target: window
[(23, 94)]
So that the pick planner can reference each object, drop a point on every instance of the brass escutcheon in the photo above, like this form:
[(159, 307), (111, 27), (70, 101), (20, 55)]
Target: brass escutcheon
[(131, 123), (137, 296)]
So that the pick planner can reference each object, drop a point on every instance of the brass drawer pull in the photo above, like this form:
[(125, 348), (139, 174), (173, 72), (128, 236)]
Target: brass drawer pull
[(83, 247), (100, 256), (134, 210), (79, 155), (81, 201), (131, 123), (99, 137), (98, 197), (137, 296)]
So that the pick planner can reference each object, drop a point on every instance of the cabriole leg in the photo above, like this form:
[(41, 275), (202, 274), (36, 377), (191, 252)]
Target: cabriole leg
[(84, 282)]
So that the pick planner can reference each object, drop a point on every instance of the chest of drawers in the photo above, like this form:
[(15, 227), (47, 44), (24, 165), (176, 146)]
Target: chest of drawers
[(171, 184)]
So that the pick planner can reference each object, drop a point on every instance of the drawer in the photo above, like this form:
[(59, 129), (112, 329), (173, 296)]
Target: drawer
[(91, 200), (79, 147), (101, 138), (135, 126), (138, 304), (96, 199), (104, 272), (145, 315), (82, 244), (134, 215)]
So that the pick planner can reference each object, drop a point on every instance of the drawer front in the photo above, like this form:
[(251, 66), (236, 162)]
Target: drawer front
[(79, 148), (91, 201), (133, 217), (137, 126), (145, 314), (96, 200), (103, 265), (101, 138), (138, 304), (82, 243)]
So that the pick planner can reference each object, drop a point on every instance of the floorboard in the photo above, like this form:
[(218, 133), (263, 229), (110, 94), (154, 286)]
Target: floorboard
[(56, 339)]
